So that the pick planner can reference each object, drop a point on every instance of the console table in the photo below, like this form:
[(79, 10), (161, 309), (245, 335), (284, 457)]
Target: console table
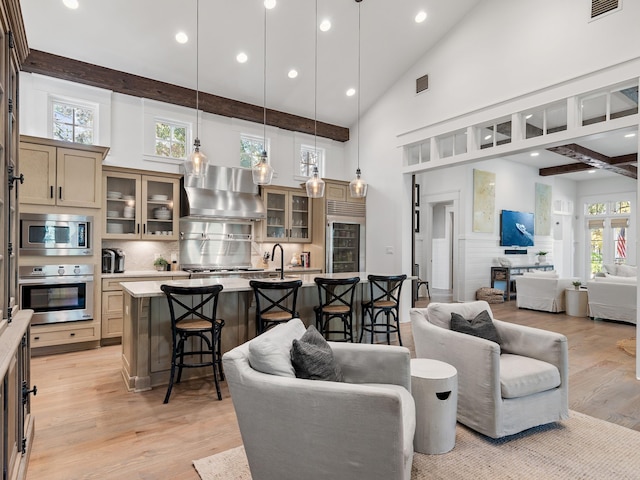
[(502, 277)]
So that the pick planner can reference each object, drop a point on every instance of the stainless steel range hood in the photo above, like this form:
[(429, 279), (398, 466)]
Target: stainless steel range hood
[(224, 193)]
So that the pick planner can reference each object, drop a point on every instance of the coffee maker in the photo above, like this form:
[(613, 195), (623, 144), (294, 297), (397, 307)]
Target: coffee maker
[(112, 260)]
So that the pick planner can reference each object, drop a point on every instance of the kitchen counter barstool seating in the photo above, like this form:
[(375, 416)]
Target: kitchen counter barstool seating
[(272, 300), (384, 300), (336, 303), (193, 314)]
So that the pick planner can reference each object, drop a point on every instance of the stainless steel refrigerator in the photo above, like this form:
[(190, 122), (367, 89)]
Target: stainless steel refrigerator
[(345, 244)]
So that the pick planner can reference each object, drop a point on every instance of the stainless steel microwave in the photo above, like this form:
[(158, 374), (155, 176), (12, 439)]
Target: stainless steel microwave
[(55, 235)]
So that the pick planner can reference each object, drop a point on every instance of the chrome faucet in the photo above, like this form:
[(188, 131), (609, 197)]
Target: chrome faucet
[(273, 252)]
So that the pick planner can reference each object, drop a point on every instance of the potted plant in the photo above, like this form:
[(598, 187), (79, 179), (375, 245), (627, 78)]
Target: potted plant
[(542, 256), (160, 264), (577, 284)]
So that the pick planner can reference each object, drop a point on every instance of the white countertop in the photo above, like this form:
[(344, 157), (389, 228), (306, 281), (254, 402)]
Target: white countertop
[(146, 273), (152, 288)]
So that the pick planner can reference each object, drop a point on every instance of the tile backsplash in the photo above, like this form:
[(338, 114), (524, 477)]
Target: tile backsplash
[(139, 255)]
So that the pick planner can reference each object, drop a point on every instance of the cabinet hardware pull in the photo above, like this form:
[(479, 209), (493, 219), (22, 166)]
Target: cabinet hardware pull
[(51, 191), (72, 334), (36, 338), (60, 193)]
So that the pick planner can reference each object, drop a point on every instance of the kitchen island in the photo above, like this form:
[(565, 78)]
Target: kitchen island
[(146, 340)]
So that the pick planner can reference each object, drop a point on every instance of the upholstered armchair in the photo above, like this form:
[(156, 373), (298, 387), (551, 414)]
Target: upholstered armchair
[(502, 389), (359, 428), (542, 291)]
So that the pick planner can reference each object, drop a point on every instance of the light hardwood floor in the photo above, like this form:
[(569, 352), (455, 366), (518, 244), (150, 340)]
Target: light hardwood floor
[(89, 427)]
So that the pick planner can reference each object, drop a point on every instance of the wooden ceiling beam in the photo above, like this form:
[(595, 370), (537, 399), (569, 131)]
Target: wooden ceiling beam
[(594, 159), (121, 82)]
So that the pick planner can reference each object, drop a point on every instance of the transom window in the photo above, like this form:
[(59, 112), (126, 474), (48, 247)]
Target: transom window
[(171, 139), (251, 147), (310, 157), (608, 229), (73, 122)]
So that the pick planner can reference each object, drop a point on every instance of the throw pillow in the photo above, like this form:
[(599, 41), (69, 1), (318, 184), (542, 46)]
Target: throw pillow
[(481, 326), (627, 271), (270, 352), (312, 358), (439, 314)]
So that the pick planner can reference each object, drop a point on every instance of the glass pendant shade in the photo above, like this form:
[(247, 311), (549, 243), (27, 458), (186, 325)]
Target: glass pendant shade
[(196, 164), (262, 172), (315, 185), (358, 187)]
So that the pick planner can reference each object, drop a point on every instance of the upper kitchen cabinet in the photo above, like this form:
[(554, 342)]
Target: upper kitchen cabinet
[(288, 215), (339, 190), (140, 206), (60, 173)]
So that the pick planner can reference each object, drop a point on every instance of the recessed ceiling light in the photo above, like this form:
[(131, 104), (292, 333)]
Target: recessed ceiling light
[(293, 73), (269, 4), (242, 57), (351, 92), (487, 137), (182, 37), (72, 4), (528, 116), (325, 25), (421, 17), (629, 135), (535, 154), (591, 171)]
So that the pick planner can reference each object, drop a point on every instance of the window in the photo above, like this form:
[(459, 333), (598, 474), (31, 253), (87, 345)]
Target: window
[(171, 139), (250, 148), (616, 102), (545, 120), (419, 153), (73, 122), (309, 158), (608, 231), (494, 133)]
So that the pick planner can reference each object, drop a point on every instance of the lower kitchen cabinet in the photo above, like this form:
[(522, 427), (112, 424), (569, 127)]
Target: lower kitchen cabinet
[(17, 426), (65, 333)]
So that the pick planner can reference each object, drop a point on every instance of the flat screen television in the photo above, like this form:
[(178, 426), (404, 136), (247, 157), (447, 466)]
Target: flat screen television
[(516, 229)]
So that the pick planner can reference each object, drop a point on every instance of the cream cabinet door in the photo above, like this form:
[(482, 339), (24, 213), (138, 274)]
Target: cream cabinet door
[(79, 178), (38, 165)]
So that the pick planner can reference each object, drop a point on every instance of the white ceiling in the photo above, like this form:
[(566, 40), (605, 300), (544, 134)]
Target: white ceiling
[(137, 36)]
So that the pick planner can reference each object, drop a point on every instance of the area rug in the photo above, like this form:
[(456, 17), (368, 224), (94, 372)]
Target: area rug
[(580, 447), (627, 345)]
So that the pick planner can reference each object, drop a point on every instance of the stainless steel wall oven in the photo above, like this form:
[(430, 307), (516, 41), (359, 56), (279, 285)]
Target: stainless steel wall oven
[(57, 293)]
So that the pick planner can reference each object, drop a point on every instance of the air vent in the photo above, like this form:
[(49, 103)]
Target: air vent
[(600, 7), (345, 209), (422, 84)]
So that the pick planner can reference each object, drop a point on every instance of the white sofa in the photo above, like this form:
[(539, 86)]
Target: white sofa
[(360, 428), (613, 297), (542, 291), (528, 360)]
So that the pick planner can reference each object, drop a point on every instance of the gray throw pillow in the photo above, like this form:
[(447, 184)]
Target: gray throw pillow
[(482, 326), (312, 358)]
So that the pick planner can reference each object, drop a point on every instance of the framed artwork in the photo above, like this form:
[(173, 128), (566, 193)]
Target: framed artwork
[(416, 194), (484, 201), (543, 209), (416, 221)]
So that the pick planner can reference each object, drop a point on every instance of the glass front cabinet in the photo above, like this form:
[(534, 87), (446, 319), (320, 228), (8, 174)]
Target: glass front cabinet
[(288, 215), (139, 206)]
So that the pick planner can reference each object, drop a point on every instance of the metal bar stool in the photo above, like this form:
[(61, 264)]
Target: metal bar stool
[(384, 299), (336, 302), (272, 299), (193, 314)]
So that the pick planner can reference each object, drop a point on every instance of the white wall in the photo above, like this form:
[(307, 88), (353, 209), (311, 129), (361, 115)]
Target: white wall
[(126, 126), (498, 52)]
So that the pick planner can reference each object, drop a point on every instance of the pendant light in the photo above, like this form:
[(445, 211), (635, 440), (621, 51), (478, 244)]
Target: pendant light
[(261, 170), (196, 163), (357, 186), (315, 185)]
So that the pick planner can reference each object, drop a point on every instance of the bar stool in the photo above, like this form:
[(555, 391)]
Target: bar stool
[(336, 302), (193, 314), (384, 299), (271, 302)]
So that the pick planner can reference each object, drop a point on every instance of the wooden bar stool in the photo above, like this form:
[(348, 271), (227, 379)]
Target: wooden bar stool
[(272, 299), (336, 303), (193, 315), (384, 299)]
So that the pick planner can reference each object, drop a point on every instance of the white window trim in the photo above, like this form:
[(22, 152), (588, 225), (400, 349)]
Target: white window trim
[(188, 138), (75, 103), (266, 143), (322, 152)]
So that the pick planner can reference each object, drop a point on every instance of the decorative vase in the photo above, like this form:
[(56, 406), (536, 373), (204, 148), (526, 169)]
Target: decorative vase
[(542, 259)]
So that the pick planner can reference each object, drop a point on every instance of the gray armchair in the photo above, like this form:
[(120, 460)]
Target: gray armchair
[(501, 391), (294, 428)]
